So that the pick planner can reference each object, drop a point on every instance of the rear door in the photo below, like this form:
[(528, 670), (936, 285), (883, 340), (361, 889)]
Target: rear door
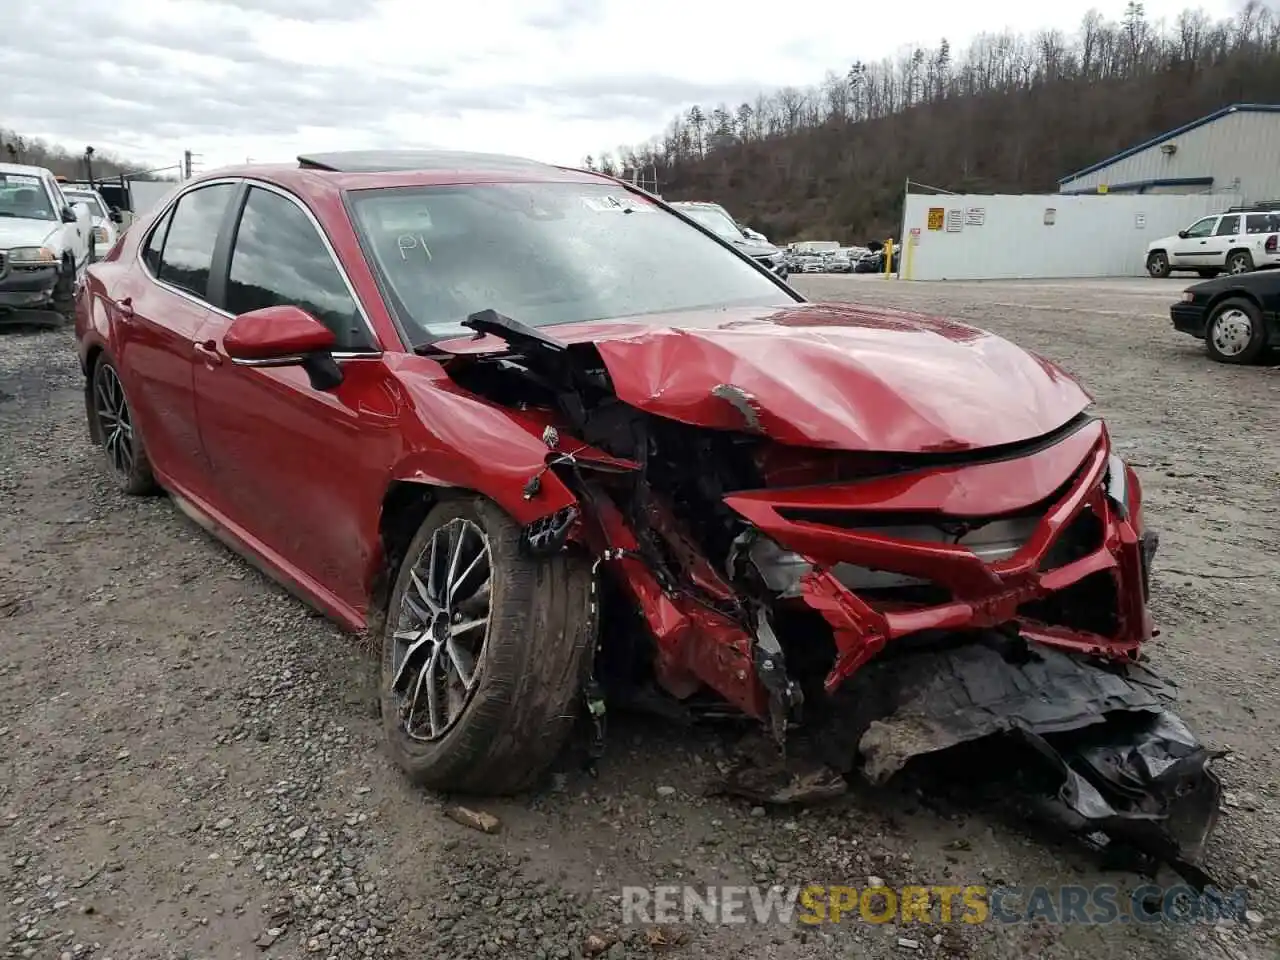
[(303, 469), (1193, 249), (159, 309), (1225, 238)]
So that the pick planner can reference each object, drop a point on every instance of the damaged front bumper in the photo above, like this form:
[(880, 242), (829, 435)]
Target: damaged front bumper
[(1092, 746)]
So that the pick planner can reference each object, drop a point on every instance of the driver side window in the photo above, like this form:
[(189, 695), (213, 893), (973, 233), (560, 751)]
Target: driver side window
[(279, 258), (1202, 228)]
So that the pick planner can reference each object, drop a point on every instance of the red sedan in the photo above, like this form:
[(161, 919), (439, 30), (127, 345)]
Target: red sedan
[(562, 448)]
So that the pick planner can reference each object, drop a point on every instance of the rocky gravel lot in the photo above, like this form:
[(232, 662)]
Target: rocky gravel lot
[(190, 763)]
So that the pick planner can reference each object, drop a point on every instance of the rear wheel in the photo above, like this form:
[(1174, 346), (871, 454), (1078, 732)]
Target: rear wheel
[(1235, 332), (1240, 261), (122, 446), (484, 652), (1158, 264)]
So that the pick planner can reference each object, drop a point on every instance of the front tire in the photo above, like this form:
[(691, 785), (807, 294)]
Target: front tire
[(1158, 264), (484, 652), (113, 427), (1235, 332)]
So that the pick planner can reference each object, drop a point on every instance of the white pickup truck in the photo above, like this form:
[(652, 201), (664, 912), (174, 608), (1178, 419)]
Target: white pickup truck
[(45, 243)]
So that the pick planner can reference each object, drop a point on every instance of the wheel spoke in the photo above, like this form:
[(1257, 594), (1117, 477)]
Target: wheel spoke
[(466, 626), (464, 664), (455, 558), (423, 594), (417, 639), (457, 583), (434, 720), (444, 609)]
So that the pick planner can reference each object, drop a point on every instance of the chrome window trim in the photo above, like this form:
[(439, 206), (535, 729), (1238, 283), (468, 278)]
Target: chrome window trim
[(293, 359), (272, 188)]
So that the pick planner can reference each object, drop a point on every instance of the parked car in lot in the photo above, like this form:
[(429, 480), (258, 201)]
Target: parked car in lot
[(45, 241), (106, 220), (718, 220), (1237, 316), (558, 448), (1234, 242)]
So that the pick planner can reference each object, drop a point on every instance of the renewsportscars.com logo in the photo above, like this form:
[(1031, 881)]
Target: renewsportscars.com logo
[(818, 904)]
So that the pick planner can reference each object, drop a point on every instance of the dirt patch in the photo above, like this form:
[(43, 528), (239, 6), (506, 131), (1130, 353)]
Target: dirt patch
[(190, 763)]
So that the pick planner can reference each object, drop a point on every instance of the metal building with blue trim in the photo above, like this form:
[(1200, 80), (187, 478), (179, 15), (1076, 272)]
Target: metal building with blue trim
[(1235, 150)]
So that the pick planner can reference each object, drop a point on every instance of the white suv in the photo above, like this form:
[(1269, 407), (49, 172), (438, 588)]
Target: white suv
[(1236, 242)]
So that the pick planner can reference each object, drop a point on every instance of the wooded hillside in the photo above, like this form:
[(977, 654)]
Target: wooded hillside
[(15, 148), (1009, 114)]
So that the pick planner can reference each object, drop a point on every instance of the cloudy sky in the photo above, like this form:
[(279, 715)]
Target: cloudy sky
[(549, 79)]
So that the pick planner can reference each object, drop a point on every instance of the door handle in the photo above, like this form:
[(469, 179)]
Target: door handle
[(124, 308), (209, 350)]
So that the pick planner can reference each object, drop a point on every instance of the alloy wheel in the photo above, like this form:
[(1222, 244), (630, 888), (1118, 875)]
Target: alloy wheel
[(114, 423), (1239, 265), (1232, 330), (442, 629)]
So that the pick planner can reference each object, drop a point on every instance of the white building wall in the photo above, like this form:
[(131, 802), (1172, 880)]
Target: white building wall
[(1040, 236), (1242, 145)]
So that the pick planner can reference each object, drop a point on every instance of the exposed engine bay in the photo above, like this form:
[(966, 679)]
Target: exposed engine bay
[(881, 606)]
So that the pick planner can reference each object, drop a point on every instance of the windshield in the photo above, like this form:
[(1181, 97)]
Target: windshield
[(714, 220), (543, 253), (24, 196), (88, 199)]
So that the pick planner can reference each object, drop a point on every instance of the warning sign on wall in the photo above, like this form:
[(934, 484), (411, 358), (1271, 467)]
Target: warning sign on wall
[(937, 216), (955, 221)]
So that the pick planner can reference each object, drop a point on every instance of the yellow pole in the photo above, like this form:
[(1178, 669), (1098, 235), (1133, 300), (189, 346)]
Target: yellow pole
[(888, 257)]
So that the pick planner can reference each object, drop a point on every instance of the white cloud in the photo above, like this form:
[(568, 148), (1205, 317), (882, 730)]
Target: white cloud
[(550, 79)]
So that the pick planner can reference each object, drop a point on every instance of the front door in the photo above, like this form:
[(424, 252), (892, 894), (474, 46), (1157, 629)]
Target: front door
[(301, 470), (1223, 241), (1193, 249)]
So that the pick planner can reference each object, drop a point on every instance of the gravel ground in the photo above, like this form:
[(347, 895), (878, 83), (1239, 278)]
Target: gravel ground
[(190, 762)]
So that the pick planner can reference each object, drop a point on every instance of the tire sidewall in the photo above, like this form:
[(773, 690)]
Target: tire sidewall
[(1257, 336), (139, 479), (473, 726)]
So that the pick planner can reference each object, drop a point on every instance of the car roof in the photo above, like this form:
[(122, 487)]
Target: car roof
[(369, 169), (22, 168)]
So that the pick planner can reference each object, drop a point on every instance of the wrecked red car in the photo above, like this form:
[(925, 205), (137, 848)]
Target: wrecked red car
[(565, 450)]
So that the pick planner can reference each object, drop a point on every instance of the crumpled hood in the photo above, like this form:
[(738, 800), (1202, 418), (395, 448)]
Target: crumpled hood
[(829, 375), (24, 232)]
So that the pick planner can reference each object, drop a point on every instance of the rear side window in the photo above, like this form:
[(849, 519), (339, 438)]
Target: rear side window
[(1262, 223), (279, 258), (193, 232), (1228, 227), (155, 243)]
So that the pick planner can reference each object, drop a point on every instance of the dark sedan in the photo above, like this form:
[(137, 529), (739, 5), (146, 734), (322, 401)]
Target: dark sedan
[(1237, 316)]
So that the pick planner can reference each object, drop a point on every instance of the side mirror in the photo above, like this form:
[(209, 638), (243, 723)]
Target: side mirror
[(115, 215), (1182, 234), (68, 215), (284, 336)]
